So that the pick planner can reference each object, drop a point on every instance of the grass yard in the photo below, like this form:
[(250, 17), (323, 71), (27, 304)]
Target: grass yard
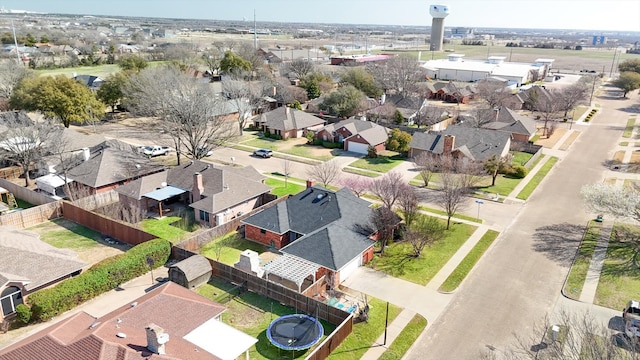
[(100, 70), (164, 229), (280, 189), (252, 314), (620, 276), (537, 178), (628, 130), (381, 164), (442, 212), (398, 260), (24, 204), (229, 247), (405, 339), (580, 266), (469, 261), (504, 185), (520, 158), (365, 333), (68, 235)]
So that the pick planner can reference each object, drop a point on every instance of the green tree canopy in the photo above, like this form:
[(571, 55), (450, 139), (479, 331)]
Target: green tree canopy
[(344, 102), (361, 80), (233, 63), (59, 97), (630, 65), (135, 63), (398, 140), (110, 92), (628, 81), (315, 84)]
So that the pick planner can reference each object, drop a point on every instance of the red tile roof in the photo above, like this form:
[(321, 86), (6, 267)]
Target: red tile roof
[(176, 309)]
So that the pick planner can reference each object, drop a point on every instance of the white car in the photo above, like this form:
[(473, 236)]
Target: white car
[(155, 150)]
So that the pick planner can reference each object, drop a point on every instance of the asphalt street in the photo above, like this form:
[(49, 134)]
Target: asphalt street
[(518, 281)]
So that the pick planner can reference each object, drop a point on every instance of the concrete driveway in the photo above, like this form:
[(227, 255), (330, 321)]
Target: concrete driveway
[(518, 281)]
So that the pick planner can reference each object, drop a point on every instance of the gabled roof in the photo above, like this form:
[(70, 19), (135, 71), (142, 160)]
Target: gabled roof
[(514, 122), (331, 224), (477, 144), (406, 102), (175, 309), (286, 119), (193, 267), (109, 163), (352, 124), (24, 258), (374, 135)]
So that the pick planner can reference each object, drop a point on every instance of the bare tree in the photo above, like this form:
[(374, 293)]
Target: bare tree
[(427, 165), (548, 107), (494, 93), (400, 73), (425, 231), (478, 117), (408, 203), (287, 169), (388, 188), (299, 67), (188, 111), (576, 336), (212, 59), (357, 184), (570, 96), (26, 143), (383, 222), (244, 96), (326, 172), (429, 115), (10, 75), (451, 193)]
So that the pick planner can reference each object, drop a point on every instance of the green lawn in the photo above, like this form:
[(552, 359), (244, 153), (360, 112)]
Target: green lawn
[(620, 276), (628, 130), (381, 164), (68, 235), (580, 266), (624, 143), (442, 212), (162, 228), (520, 158), (365, 333), (252, 313), (360, 172), (504, 185), (100, 70), (398, 260), (306, 151), (23, 204), (537, 178), (302, 150), (229, 248), (405, 339), (463, 269), (263, 143), (280, 189)]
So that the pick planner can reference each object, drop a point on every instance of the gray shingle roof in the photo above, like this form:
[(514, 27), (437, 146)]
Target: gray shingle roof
[(374, 135), (480, 143), (331, 225), (285, 119), (193, 267)]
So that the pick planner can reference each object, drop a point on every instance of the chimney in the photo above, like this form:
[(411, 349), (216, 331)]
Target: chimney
[(496, 112), (310, 183), (286, 110), (156, 339), (198, 188), (86, 154), (447, 146)]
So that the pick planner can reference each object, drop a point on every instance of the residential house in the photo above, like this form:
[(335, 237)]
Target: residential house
[(522, 128), (217, 194), (356, 135), (268, 56), (321, 230), (408, 106), (450, 92), (91, 81), (169, 322), (288, 122), (106, 166), (28, 265), (475, 144)]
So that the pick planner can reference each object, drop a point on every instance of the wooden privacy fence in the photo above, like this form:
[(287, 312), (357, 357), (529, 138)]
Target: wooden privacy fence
[(104, 225), (11, 172), (97, 201), (25, 194), (32, 216)]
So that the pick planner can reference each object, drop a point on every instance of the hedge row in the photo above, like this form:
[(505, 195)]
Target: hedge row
[(590, 115), (100, 278)]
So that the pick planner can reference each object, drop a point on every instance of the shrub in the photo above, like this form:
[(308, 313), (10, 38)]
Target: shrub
[(371, 152), (310, 136), (519, 171), (100, 278), (23, 313), (317, 141), (331, 145)]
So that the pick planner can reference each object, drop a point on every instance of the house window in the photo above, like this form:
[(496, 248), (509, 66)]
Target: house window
[(204, 216), (263, 231), (10, 298)]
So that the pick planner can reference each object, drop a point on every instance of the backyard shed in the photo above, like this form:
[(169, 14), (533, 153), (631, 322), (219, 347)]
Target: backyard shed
[(191, 272)]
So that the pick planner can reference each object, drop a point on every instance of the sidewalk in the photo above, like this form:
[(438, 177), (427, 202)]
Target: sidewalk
[(597, 261), (393, 330), (514, 193)]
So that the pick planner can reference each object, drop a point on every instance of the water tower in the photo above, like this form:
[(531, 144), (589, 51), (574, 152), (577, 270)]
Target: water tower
[(438, 12)]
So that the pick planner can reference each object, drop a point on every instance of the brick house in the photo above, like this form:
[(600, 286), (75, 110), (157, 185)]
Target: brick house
[(317, 226), (356, 135), (288, 122), (475, 144)]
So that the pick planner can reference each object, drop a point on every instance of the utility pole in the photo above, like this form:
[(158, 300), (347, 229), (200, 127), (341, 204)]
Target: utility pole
[(15, 41), (613, 62), (255, 31)]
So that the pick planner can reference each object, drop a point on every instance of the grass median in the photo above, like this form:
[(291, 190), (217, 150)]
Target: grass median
[(405, 339), (469, 261), (537, 179), (580, 266)]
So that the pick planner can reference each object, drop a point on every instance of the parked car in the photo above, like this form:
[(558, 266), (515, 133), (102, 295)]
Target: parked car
[(631, 317), (202, 151), (155, 150), (265, 153)]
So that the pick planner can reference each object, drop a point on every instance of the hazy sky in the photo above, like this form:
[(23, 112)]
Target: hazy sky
[(548, 14)]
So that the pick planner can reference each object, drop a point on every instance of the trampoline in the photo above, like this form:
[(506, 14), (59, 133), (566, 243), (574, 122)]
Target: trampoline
[(295, 332)]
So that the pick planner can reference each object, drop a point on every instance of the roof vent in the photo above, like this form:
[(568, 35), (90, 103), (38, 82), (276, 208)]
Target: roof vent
[(121, 335), (94, 324), (134, 303), (320, 196)]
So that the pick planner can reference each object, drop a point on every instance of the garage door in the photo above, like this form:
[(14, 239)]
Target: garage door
[(357, 147), (350, 268)]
